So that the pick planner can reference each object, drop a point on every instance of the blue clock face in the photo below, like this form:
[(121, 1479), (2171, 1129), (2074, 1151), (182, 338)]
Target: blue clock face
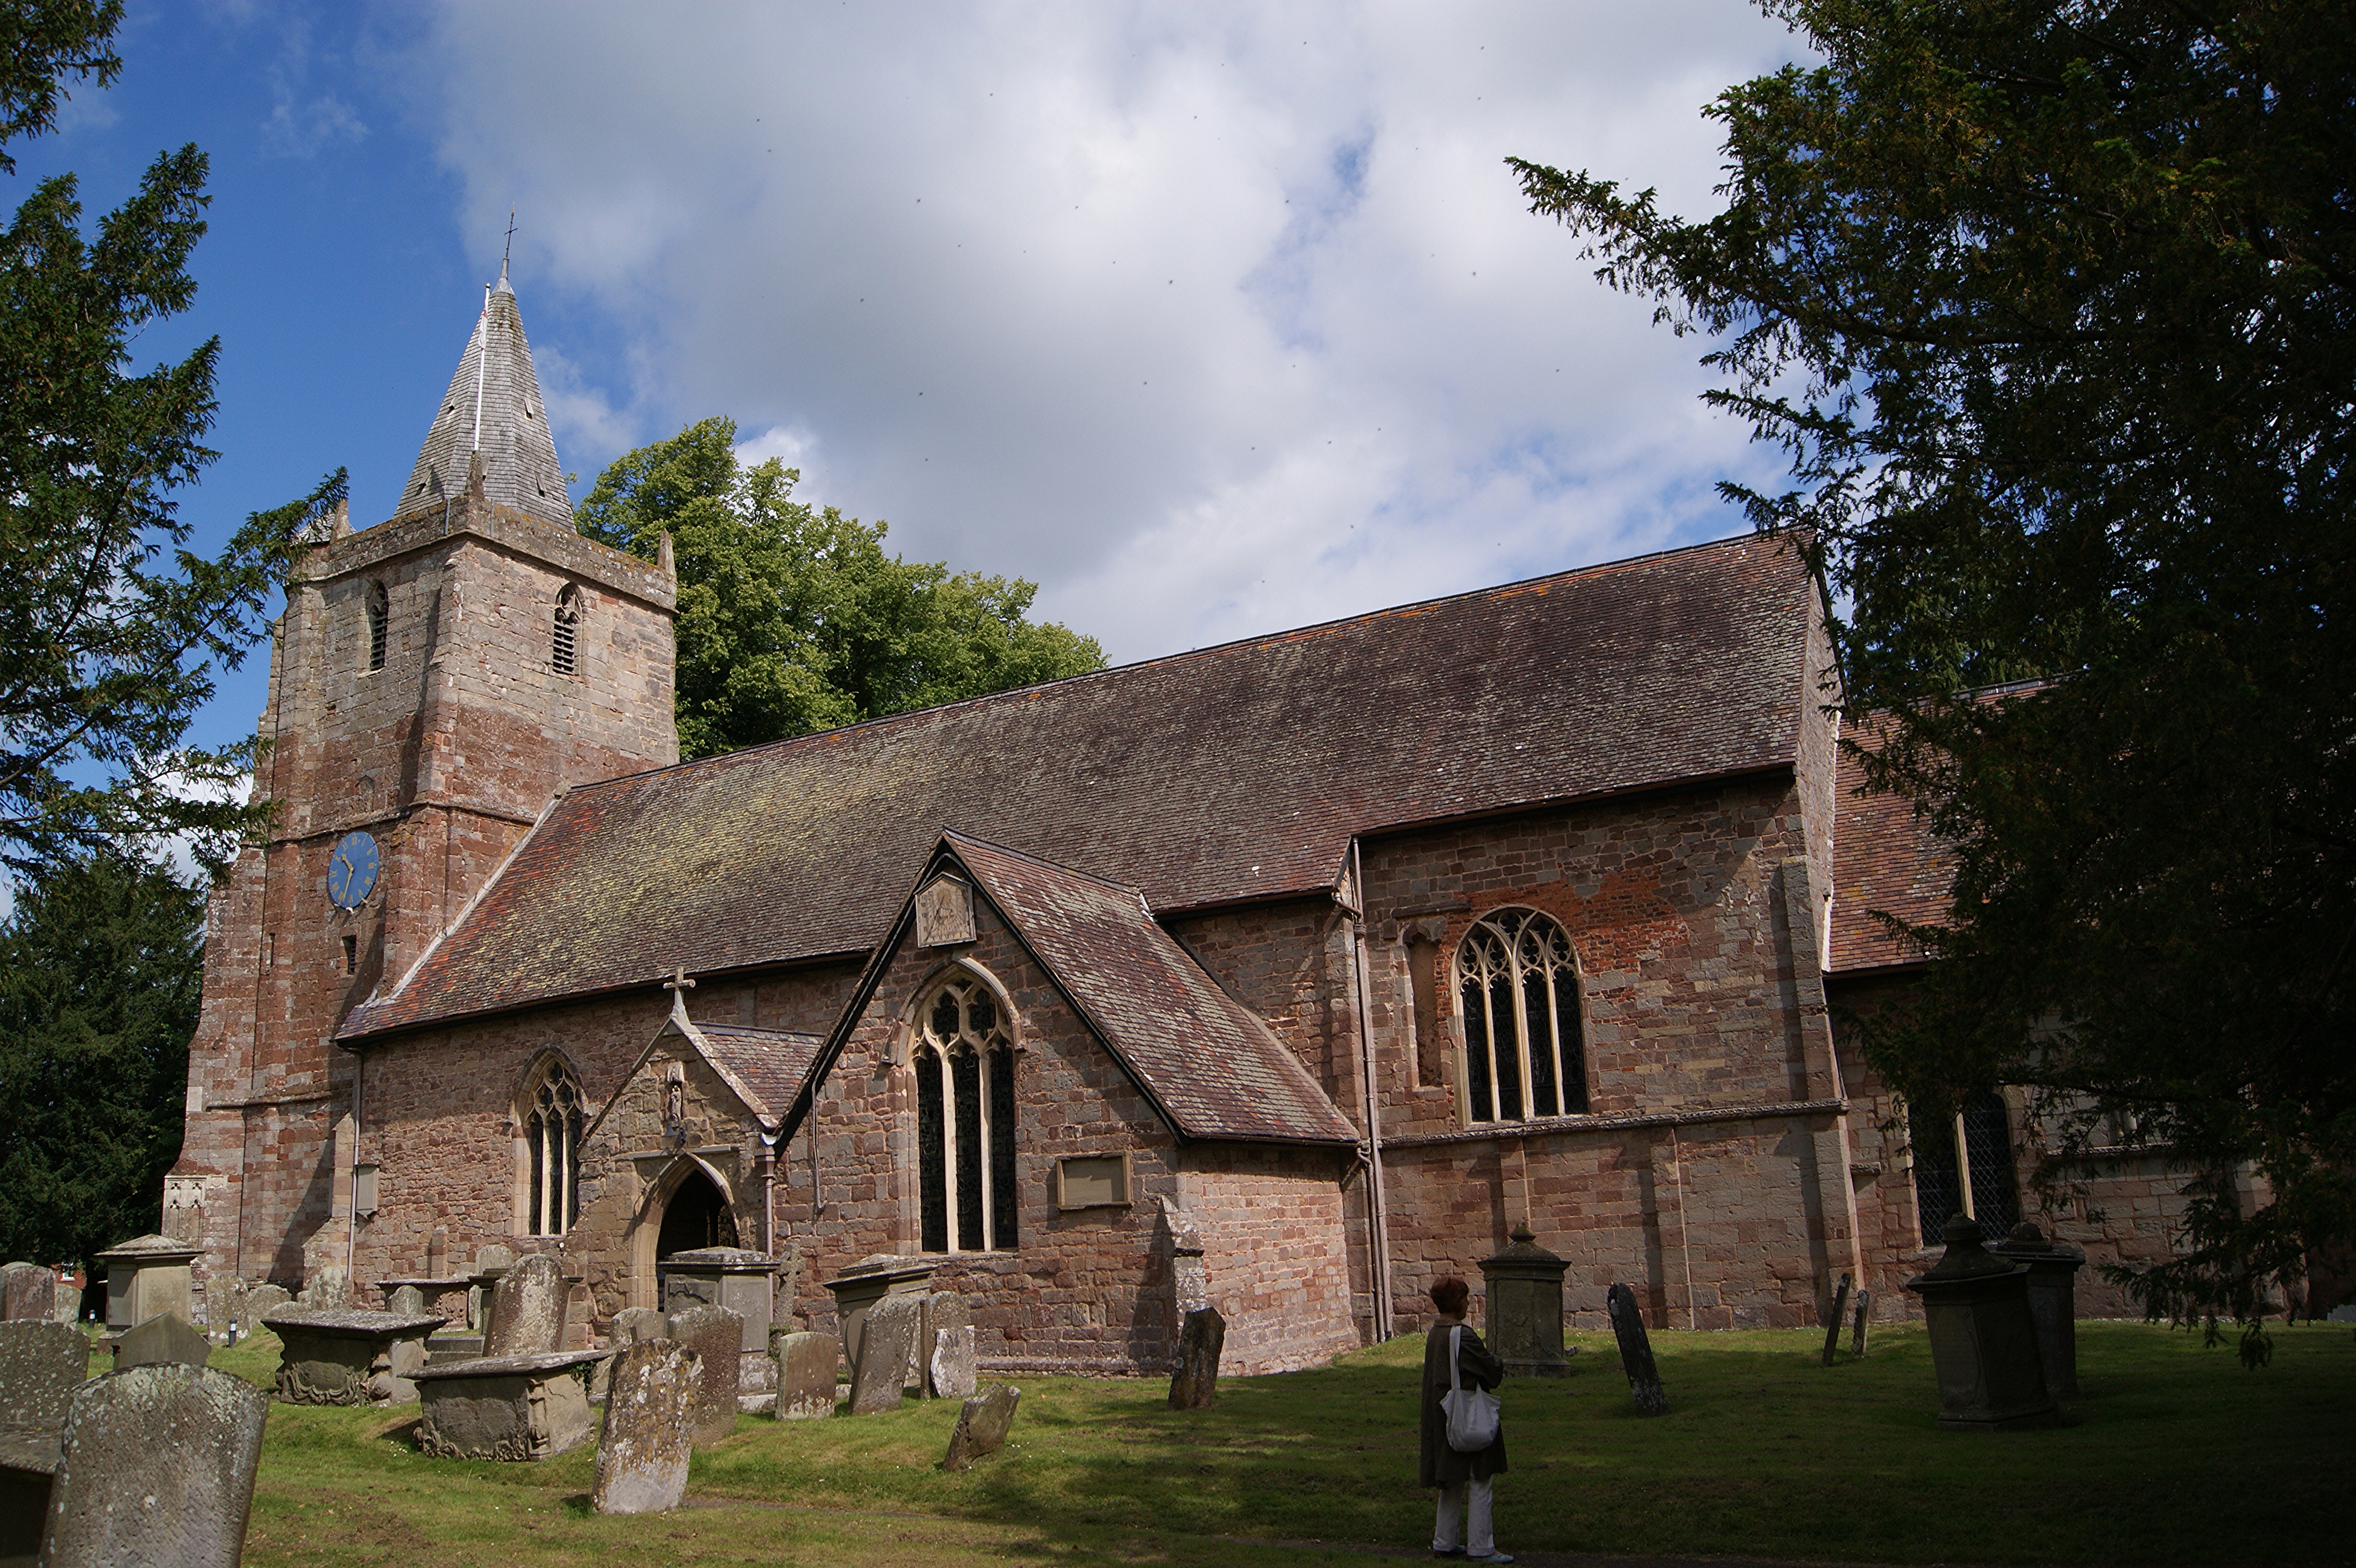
[(351, 871)]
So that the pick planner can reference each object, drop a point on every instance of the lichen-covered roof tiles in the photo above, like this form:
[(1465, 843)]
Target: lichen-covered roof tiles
[(1215, 777), (1211, 1065), (767, 1066)]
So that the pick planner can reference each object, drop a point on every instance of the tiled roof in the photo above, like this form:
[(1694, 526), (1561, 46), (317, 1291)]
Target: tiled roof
[(1210, 1064), (1208, 777), (768, 1064), (1886, 859)]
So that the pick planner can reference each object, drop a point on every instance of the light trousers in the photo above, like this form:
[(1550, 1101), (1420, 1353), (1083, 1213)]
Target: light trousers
[(1452, 1530)]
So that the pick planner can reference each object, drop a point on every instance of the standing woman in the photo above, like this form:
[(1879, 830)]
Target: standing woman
[(1462, 1478)]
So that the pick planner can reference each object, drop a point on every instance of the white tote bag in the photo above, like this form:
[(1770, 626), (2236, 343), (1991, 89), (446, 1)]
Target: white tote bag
[(1472, 1412)]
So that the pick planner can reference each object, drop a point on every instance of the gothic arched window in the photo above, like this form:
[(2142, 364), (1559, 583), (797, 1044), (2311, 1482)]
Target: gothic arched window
[(551, 1122), (564, 648), (1517, 992), (380, 615), (964, 1057)]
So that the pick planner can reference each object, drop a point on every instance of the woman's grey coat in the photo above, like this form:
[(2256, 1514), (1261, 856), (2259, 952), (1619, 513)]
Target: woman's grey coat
[(1442, 1466)]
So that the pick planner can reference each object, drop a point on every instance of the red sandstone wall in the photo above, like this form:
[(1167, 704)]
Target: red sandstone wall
[(1275, 1251)]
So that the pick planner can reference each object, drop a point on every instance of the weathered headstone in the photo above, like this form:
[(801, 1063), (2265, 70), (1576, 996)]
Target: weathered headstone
[(494, 1258), (1635, 1352), (28, 1292), (882, 1370), (506, 1407), (406, 1300), (945, 1314), (713, 1333), (952, 1372), (41, 1364), (348, 1357), (1523, 1286), (1833, 1321), (1856, 1337), (639, 1324), (159, 1468), (259, 1302), (649, 1427), (146, 1275), (224, 1304), (390, 1379), (806, 1366), (982, 1424), (162, 1342), (329, 1289), (1197, 1383), (527, 1310)]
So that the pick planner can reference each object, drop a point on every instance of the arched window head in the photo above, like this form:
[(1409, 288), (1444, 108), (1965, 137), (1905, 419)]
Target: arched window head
[(1517, 993), (964, 1061), (564, 649), (552, 1120), (380, 614)]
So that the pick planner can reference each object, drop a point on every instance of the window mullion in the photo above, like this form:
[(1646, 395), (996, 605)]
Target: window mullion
[(982, 1092)]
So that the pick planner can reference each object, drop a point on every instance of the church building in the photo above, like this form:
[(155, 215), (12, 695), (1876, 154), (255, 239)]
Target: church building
[(1288, 974)]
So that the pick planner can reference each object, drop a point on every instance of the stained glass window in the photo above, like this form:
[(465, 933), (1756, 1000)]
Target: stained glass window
[(965, 1121), (1518, 991)]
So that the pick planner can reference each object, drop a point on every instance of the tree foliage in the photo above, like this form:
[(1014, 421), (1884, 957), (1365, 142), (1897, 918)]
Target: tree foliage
[(110, 630), (101, 967), (792, 619), (2051, 303)]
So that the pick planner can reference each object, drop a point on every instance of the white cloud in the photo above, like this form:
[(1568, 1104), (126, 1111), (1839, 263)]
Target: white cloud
[(1211, 319), (299, 125)]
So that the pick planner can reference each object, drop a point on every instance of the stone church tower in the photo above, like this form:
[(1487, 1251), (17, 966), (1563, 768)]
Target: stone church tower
[(434, 683)]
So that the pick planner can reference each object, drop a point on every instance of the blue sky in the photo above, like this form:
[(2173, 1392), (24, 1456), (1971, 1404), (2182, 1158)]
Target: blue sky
[(1213, 320)]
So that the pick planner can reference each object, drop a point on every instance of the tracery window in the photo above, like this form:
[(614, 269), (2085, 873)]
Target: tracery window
[(379, 617), (1963, 1164), (964, 1060), (551, 1123), (565, 649), (1517, 993)]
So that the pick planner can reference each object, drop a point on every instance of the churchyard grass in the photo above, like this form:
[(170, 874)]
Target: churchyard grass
[(2176, 1455)]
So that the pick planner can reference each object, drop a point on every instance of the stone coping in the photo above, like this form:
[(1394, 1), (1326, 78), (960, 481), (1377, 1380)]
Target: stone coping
[(509, 1365), (35, 1450), (883, 1266), (356, 1321), (150, 1249)]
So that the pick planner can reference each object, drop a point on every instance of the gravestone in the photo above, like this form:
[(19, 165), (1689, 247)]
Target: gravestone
[(1983, 1348), (1856, 1337), (1833, 1322), (259, 1302), (1197, 1381), (2052, 1302), (1523, 1286), (981, 1425), (506, 1407), (328, 1288), (527, 1317), (349, 1357), (873, 1278), (1636, 1352), (490, 1263), (639, 1324), (159, 1468), (945, 1314), (29, 1292), (806, 1366), (649, 1427), (951, 1374), (406, 1300), (882, 1369), (713, 1333), (146, 1275), (225, 1304), (41, 1364), (162, 1342)]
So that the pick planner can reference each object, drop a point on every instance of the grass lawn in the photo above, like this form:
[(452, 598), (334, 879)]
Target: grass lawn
[(2176, 1455)]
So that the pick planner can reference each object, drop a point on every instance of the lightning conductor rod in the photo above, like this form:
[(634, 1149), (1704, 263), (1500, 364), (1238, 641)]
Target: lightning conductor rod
[(482, 358)]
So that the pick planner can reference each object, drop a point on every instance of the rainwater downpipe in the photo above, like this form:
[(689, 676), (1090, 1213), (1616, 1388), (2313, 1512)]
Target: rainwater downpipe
[(352, 1171), (1377, 1212)]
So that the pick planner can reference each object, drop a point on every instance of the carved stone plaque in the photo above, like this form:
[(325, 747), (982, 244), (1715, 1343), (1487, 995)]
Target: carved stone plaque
[(944, 913)]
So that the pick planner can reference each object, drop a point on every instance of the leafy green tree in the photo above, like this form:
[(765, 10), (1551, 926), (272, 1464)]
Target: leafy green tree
[(2053, 305), (110, 630), (792, 619), (101, 966)]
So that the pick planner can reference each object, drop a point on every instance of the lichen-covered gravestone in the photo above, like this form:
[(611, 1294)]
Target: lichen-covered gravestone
[(947, 1347), (883, 1345), (649, 1428), (328, 1289), (981, 1425), (41, 1364), (224, 1304), (527, 1310), (159, 1468), (1197, 1383), (714, 1333), (639, 1324), (407, 1300), (162, 1342), (806, 1366), (1636, 1352), (259, 1302), (29, 1292)]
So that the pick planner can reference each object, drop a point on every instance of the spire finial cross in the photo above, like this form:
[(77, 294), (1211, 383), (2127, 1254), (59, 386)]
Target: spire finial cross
[(679, 980), (511, 244)]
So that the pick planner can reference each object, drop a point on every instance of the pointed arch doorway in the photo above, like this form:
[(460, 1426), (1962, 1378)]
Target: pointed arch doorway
[(695, 1215)]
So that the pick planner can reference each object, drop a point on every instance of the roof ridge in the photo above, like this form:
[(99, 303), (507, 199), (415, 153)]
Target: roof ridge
[(1519, 585)]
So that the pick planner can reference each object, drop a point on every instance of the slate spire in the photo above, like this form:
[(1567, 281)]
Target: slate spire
[(494, 406)]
